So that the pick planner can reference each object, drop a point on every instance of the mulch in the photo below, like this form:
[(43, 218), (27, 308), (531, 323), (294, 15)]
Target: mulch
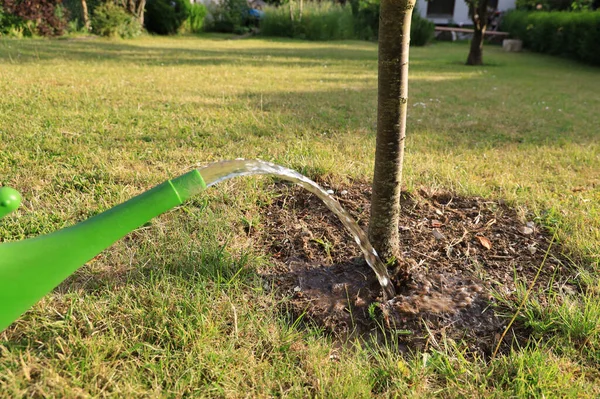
[(465, 258)]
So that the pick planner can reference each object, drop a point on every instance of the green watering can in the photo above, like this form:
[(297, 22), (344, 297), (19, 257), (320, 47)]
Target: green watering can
[(30, 269)]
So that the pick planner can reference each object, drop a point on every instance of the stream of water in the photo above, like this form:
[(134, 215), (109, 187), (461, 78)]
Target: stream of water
[(220, 171)]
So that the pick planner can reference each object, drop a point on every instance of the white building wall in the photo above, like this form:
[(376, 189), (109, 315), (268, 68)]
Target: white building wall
[(505, 5), (461, 11), (422, 7)]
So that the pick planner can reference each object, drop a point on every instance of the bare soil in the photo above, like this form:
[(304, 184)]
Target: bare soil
[(459, 256)]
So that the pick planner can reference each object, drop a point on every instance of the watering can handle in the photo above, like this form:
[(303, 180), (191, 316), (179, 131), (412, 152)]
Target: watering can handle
[(31, 268), (10, 199)]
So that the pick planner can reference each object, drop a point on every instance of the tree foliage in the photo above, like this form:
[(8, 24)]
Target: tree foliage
[(166, 17), (111, 20), (134, 7)]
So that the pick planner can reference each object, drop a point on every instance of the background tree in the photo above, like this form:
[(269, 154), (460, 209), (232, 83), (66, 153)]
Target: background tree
[(135, 8), (85, 14), (392, 98), (478, 10)]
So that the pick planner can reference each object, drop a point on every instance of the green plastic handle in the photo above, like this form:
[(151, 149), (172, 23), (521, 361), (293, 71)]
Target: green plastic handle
[(30, 269)]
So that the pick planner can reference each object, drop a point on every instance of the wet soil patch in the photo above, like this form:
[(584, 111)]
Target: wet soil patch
[(459, 256)]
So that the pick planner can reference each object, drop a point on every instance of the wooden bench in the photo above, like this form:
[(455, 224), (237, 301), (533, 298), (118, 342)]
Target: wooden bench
[(467, 30)]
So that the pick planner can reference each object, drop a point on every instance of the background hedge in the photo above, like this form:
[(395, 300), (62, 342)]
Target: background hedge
[(568, 34), (327, 20)]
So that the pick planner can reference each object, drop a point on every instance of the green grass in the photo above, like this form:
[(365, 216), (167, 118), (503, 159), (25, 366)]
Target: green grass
[(176, 309)]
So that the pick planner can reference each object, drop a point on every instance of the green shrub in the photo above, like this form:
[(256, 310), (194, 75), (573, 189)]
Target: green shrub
[(277, 22), (329, 21), (113, 21), (195, 21), (569, 34), (325, 21), (366, 18), (229, 16), (11, 25), (554, 5), (422, 30), (319, 21), (166, 17)]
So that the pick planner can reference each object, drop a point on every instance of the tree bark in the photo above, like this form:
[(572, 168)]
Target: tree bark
[(476, 51), (479, 16), (140, 11), (86, 16), (392, 98)]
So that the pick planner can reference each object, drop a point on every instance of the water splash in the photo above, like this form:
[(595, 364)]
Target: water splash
[(220, 171)]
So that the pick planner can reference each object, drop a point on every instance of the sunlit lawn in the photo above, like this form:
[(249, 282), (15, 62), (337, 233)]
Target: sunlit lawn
[(85, 125)]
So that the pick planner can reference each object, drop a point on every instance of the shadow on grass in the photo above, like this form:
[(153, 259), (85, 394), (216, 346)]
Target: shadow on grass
[(121, 52), (461, 107), (445, 123)]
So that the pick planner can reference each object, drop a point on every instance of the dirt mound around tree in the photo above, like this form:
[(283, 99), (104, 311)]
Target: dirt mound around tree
[(461, 254)]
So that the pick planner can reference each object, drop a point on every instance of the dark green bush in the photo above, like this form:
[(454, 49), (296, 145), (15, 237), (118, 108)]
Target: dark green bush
[(366, 18), (113, 21), (569, 34), (195, 21), (229, 16), (554, 5), (277, 22), (166, 17), (11, 25), (76, 11), (422, 30)]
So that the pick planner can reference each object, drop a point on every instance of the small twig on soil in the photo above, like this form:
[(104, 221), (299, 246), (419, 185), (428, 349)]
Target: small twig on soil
[(425, 255), (455, 243), (448, 204), (529, 290), (459, 213), (486, 226)]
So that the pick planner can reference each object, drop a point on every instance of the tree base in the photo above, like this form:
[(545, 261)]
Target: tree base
[(474, 60)]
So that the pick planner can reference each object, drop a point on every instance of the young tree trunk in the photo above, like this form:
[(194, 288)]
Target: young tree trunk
[(476, 51), (479, 16), (86, 16), (392, 97)]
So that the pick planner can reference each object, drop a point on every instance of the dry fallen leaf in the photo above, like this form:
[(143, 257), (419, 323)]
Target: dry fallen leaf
[(437, 235), (525, 230), (484, 242), (436, 223)]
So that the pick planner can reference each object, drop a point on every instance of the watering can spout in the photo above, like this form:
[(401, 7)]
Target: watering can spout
[(31, 268)]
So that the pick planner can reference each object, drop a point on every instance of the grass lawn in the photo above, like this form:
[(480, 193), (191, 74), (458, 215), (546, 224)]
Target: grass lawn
[(177, 310)]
